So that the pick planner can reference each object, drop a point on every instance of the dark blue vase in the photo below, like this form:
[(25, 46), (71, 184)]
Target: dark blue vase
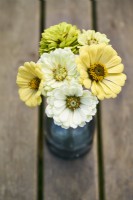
[(69, 143)]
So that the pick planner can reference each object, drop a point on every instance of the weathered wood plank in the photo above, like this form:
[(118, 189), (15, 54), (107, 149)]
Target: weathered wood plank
[(117, 114), (70, 179), (18, 124), (75, 12)]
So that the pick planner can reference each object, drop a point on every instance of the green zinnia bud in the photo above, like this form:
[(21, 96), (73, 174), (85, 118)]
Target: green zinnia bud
[(59, 36)]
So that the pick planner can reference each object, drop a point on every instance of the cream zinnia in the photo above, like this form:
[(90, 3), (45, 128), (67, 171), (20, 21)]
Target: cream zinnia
[(71, 106), (58, 66), (91, 37)]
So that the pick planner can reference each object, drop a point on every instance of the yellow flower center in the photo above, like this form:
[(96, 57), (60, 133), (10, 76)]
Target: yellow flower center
[(34, 83), (73, 102), (92, 41), (97, 72), (60, 73)]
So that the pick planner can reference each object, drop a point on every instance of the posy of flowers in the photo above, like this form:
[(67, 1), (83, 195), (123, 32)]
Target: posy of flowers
[(75, 70)]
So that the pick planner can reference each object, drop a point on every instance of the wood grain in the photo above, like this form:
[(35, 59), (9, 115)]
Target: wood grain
[(117, 120), (75, 12), (70, 179), (18, 124)]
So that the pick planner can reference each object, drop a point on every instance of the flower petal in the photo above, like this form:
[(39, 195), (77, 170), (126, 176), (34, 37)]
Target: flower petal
[(99, 90), (93, 54), (87, 83), (64, 116), (77, 117), (114, 87), (59, 95), (118, 79), (107, 54), (115, 60), (85, 58), (49, 111), (25, 93), (93, 88), (59, 103), (108, 92), (59, 110), (116, 69)]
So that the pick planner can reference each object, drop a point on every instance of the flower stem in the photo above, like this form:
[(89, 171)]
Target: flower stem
[(40, 144), (99, 122)]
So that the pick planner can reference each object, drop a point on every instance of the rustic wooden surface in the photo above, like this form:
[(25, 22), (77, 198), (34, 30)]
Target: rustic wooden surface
[(67, 180), (117, 118), (18, 124), (70, 180)]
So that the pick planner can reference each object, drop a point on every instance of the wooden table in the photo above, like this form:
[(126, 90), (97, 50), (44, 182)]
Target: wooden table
[(64, 180)]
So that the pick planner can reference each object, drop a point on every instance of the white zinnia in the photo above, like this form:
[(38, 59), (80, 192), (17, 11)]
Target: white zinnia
[(71, 106), (58, 66)]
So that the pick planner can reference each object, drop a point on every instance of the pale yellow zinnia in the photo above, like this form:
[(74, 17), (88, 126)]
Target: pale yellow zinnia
[(90, 37), (30, 80), (101, 70)]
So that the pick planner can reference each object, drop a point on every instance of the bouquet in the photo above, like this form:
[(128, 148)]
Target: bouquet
[(75, 70)]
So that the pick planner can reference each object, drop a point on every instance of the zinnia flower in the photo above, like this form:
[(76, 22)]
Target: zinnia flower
[(71, 106), (59, 36), (91, 37), (58, 66), (30, 80), (101, 70)]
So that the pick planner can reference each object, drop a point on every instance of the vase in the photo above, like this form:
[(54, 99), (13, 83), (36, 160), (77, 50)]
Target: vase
[(69, 143)]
